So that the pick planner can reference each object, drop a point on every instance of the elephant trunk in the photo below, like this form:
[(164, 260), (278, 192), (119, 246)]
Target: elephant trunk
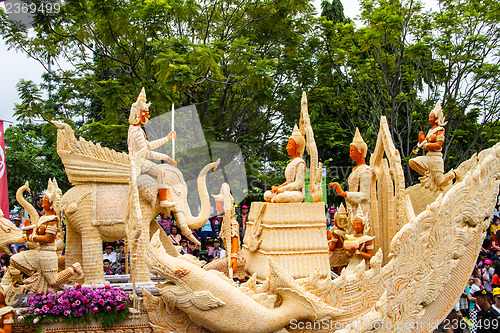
[(26, 205), (198, 221)]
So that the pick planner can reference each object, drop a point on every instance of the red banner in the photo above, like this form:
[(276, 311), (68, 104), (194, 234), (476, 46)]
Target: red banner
[(4, 191)]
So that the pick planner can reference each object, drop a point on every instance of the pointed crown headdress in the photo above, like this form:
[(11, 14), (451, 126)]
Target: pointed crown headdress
[(135, 110), (53, 193), (359, 143), (438, 112), (299, 139), (341, 217), (363, 219)]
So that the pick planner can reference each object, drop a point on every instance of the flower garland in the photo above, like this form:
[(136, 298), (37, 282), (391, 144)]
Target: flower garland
[(78, 305)]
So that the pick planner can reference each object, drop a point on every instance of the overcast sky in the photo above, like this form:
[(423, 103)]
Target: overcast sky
[(15, 66)]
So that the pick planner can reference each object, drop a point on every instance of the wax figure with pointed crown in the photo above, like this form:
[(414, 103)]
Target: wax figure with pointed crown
[(41, 264), (142, 149), (431, 166), (359, 180), (230, 231), (293, 189), (336, 237), (359, 247)]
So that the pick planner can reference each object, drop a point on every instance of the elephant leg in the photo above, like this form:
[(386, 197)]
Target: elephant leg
[(73, 252), (141, 271), (92, 256)]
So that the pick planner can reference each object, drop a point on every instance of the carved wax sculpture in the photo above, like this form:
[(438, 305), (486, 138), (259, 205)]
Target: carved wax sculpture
[(358, 247), (41, 264), (141, 149), (431, 166), (224, 204), (337, 254), (359, 180), (214, 302), (429, 259), (7, 299), (293, 189), (9, 234), (97, 204)]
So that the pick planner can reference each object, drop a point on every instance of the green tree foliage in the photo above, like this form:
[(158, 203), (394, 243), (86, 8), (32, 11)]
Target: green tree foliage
[(400, 62), (31, 156), (233, 59), (245, 63)]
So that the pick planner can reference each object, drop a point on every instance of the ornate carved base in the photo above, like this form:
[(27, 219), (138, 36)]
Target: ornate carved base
[(139, 325), (293, 235)]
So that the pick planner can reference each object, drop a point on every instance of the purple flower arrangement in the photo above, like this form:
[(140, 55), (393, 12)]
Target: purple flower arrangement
[(77, 305)]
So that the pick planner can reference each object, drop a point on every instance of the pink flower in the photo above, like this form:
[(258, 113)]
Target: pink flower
[(102, 302), (78, 294), (20, 318), (108, 308), (67, 312), (95, 310), (121, 307)]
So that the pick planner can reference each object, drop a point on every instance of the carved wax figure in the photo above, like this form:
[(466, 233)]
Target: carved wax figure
[(431, 166), (230, 232), (337, 255), (7, 299), (140, 148), (41, 264), (293, 189), (359, 180), (359, 247)]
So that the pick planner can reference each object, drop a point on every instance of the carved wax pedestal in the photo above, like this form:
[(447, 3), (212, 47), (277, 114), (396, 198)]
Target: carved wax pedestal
[(291, 234)]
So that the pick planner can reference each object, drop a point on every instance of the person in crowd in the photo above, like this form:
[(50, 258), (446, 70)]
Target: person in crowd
[(496, 299), (495, 226), (175, 236), (216, 222), (485, 275), (110, 255), (121, 252), (22, 248), (4, 263), (494, 245), (194, 247), (185, 249), (495, 281), (206, 231), (38, 206), (482, 257), (216, 251), (108, 270), (121, 269), (488, 317), (470, 290), (242, 219), (165, 223)]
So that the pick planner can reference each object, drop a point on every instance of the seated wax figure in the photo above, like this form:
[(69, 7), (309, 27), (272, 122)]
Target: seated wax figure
[(432, 165), (293, 189), (41, 264), (138, 144)]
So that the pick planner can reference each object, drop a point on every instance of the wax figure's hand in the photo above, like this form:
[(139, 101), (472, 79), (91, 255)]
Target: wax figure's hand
[(171, 135)]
